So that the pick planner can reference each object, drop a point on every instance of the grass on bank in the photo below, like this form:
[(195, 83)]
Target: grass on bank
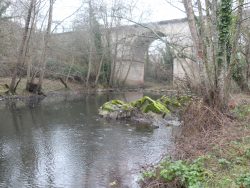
[(225, 165), (49, 85)]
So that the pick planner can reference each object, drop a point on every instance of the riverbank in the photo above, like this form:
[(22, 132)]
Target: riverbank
[(56, 88), (212, 151)]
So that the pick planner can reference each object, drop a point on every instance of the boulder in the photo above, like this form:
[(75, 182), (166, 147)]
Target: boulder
[(146, 104), (144, 110), (116, 109)]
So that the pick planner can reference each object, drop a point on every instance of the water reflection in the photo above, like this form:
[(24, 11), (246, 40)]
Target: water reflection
[(65, 144)]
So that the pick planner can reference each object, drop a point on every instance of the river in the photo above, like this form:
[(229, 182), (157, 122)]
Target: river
[(64, 143)]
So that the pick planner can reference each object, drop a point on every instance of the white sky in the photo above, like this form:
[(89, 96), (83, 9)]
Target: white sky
[(159, 9)]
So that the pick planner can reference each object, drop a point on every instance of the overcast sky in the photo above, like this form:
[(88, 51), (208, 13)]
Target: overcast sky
[(158, 9)]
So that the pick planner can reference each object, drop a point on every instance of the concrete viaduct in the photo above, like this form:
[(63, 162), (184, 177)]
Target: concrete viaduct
[(133, 42)]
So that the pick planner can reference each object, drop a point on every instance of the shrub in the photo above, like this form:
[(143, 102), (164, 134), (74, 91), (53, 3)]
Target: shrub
[(244, 180), (191, 175)]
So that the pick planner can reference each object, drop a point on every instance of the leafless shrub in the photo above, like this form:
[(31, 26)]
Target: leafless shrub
[(199, 117), (201, 127), (160, 184)]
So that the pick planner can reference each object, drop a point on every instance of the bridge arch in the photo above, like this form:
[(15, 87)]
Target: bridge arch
[(131, 67)]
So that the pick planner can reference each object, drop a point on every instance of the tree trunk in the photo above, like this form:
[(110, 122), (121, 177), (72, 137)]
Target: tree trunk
[(248, 59), (89, 63), (29, 63), (192, 25), (22, 49), (46, 47), (113, 64), (91, 41), (72, 62), (99, 69)]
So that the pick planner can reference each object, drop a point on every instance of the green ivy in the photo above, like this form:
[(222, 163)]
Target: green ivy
[(225, 21), (224, 25)]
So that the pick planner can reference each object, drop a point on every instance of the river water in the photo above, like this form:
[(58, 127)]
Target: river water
[(65, 143)]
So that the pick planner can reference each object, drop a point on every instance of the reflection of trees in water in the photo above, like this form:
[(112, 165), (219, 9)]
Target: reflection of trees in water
[(47, 130), (35, 148), (91, 148), (30, 149), (34, 101), (16, 112), (15, 118)]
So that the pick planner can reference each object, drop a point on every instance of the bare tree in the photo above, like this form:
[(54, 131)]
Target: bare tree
[(22, 49), (46, 46), (215, 45)]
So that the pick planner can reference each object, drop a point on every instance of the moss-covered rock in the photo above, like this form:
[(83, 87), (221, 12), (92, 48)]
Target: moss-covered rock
[(146, 104), (170, 102), (115, 105), (142, 109), (143, 101), (115, 109), (174, 103), (156, 107)]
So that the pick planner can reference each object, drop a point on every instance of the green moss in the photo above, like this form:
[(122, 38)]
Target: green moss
[(140, 102), (116, 105), (146, 104), (174, 102), (161, 106), (157, 108), (170, 102)]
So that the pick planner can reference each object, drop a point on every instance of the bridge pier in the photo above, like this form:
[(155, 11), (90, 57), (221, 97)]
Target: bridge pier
[(130, 73)]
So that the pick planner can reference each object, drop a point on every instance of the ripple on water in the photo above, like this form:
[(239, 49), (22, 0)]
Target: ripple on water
[(67, 145)]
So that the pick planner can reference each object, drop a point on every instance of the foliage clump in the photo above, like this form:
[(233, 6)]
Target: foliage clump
[(243, 180), (227, 168), (181, 173)]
